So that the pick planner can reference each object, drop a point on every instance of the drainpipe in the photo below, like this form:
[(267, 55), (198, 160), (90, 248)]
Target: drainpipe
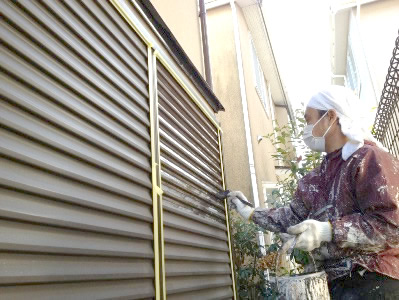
[(244, 105), (205, 46)]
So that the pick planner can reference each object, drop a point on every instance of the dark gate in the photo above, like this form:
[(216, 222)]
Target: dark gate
[(386, 126)]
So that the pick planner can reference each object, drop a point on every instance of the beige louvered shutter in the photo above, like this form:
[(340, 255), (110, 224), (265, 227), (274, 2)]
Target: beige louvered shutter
[(76, 205), (196, 240)]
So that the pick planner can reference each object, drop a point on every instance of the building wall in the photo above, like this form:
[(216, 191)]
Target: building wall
[(281, 115), (260, 120), (182, 18), (379, 24), (227, 89)]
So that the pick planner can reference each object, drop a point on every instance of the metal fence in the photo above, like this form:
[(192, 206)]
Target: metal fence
[(386, 125)]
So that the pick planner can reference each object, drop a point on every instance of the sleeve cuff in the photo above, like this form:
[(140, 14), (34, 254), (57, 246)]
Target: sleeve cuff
[(338, 231)]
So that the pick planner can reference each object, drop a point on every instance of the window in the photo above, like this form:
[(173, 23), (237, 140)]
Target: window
[(352, 73), (260, 82)]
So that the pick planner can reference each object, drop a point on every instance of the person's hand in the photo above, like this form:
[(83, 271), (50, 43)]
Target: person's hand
[(311, 233), (234, 200)]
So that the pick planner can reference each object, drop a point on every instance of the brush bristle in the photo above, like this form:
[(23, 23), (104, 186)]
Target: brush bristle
[(222, 194)]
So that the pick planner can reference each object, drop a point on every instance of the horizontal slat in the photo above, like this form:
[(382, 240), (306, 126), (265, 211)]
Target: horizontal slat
[(79, 36), (62, 129), (76, 195), (85, 55), (35, 154), (167, 128), (165, 78), (177, 236), (27, 268), (55, 75), (140, 143), (191, 268), (195, 283), (178, 210), (139, 49), (183, 188), (25, 178), (184, 176), (56, 92), (210, 150), (169, 124), (30, 208), (182, 151), (220, 293), (173, 220), (119, 59), (192, 203), (189, 253), (182, 102), (118, 289), (25, 237), (188, 167), (168, 102)]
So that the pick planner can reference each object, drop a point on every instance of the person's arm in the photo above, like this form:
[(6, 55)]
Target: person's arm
[(273, 219), (376, 227)]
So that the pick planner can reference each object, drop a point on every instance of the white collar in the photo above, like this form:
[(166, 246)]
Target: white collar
[(350, 147)]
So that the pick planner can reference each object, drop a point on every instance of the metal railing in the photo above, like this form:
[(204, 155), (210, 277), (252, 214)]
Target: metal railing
[(386, 124)]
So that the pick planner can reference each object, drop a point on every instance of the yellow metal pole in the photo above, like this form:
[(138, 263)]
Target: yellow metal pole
[(119, 6), (159, 181), (155, 191), (227, 218)]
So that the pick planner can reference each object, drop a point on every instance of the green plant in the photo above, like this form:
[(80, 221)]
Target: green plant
[(294, 155), (250, 280)]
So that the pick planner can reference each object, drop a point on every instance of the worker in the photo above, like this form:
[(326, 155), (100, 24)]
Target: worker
[(354, 198)]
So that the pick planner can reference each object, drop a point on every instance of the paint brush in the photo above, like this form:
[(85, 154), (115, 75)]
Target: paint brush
[(223, 194)]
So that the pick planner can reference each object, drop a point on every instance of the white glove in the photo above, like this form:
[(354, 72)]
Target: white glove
[(244, 210), (311, 234)]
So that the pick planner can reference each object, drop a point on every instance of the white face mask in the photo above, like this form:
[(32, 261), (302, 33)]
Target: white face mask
[(315, 143)]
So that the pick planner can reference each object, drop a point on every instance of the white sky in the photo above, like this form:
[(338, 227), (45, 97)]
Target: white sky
[(300, 35)]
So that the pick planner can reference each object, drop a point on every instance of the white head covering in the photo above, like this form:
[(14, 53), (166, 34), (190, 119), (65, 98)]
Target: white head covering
[(344, 101)]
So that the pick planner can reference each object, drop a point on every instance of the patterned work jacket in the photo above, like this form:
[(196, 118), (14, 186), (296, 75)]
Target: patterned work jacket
[(360, 197)]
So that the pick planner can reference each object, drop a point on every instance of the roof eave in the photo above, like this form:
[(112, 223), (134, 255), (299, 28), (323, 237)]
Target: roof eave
[(176, 51), (257, 25)]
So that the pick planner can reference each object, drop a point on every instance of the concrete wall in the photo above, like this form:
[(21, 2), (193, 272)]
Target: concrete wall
[(182, 18), (227, 89), (379, 24)]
